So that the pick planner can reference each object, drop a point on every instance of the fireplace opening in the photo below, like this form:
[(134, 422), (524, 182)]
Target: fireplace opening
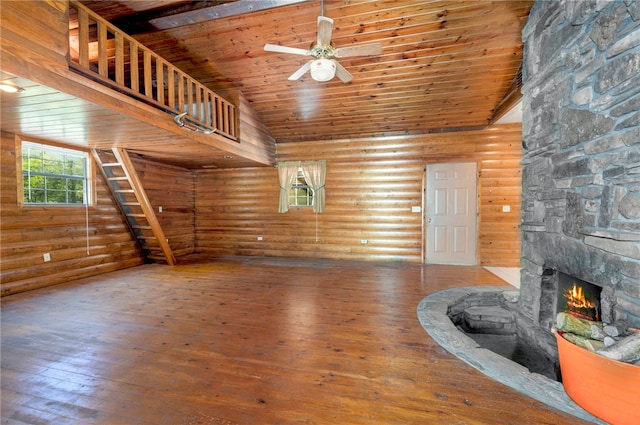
[(578, 298)]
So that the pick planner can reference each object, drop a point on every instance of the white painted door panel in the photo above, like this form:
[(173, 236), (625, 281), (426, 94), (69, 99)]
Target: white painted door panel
[(451, 211)]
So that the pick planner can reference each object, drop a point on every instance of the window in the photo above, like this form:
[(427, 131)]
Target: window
[(300, 194), (54, 175), (302, 184)]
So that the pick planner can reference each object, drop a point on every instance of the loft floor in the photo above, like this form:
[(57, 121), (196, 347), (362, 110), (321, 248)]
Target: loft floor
[(247, 340)]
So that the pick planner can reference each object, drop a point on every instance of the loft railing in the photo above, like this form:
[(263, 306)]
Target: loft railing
[(103, 52)]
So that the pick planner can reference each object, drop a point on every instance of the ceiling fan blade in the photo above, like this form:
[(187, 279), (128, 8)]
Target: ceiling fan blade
[(325, 26), (342, 73), (300, 72), (284, 49), (364, 50)]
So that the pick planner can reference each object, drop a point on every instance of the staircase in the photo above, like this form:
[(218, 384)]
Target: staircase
[(127, 189)]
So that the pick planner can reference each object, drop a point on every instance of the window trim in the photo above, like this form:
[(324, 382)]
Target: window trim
[(89, 178)]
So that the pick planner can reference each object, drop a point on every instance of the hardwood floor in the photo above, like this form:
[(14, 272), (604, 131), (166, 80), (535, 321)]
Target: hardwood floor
[(246, 341)]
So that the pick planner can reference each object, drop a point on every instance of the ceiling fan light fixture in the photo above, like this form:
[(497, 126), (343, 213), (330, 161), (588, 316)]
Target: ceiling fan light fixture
[(323, 69), (10, 88)]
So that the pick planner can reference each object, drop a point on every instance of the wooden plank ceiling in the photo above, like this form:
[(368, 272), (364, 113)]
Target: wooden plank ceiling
[(445, 65)]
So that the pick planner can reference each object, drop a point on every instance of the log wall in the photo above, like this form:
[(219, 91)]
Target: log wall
[(371, 185), (28, 232), (171, 188)]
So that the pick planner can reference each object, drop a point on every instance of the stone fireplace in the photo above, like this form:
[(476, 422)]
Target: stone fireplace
[(580, 195), (581, 164)]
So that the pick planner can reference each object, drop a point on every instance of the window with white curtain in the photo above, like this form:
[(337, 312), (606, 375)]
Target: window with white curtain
[(300, 194), (302, 184)]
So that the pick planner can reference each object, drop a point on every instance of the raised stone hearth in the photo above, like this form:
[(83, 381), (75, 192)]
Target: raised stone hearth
[(434, 315)]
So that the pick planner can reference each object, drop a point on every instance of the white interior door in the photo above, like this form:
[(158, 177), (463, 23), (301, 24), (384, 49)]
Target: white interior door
[(451, 213)]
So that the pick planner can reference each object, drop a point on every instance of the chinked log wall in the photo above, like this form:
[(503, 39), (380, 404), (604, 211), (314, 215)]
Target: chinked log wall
[(371, 185), (26, 233)]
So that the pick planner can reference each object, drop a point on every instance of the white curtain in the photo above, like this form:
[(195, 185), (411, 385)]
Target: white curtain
[(314, 174), (287, 174)]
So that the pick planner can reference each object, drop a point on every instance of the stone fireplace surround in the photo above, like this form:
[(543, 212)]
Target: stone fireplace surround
[(581, 163), (581, 182)]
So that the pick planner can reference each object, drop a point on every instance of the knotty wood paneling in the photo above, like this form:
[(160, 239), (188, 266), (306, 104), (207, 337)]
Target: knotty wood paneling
[(30, 231), (444, 64), (372, 183)]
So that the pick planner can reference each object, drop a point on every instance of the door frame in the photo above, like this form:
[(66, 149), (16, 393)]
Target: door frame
[(425, 233)]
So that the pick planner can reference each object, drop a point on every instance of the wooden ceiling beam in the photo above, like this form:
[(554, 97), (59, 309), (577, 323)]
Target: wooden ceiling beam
[(219, 11)]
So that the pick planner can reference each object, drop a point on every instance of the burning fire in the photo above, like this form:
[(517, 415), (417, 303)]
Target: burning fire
[(576, 299), (578, 304)]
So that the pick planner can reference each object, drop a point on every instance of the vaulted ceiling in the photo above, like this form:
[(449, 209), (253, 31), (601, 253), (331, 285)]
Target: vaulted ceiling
[(445, 65)]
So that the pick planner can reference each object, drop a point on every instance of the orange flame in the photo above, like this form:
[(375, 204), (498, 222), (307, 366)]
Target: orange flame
[(576, 299)]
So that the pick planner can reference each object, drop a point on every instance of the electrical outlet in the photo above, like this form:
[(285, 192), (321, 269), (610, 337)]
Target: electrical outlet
[(46, 257), (364, 241), (506, 208), (159, 209), (259, 238), (416, 209)]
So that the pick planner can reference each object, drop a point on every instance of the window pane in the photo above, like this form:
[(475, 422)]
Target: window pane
[(76, 197), (35, 182), (300, 194), (56, 197), (34, 196), (75, 191), (75, 166), (33, 162), (56, 183), (53, 175), (53, 163)]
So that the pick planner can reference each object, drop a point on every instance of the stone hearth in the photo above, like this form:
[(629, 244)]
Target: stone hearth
[(433, 314)]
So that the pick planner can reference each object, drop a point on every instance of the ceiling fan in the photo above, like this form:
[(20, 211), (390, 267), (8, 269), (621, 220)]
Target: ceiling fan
[(323, 67)]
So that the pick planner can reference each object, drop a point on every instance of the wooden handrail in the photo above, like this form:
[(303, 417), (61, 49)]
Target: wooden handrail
[(103, 52)]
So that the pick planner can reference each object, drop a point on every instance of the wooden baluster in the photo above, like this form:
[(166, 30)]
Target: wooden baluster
[(119, 54), (198, 108), (180, 91), (190, 96), (171, 89), (83, 38), (160, 80), (232, 120), (103, 64), (133, 67), (209, 117), (195, 99), (148, 87), (220, 113)]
